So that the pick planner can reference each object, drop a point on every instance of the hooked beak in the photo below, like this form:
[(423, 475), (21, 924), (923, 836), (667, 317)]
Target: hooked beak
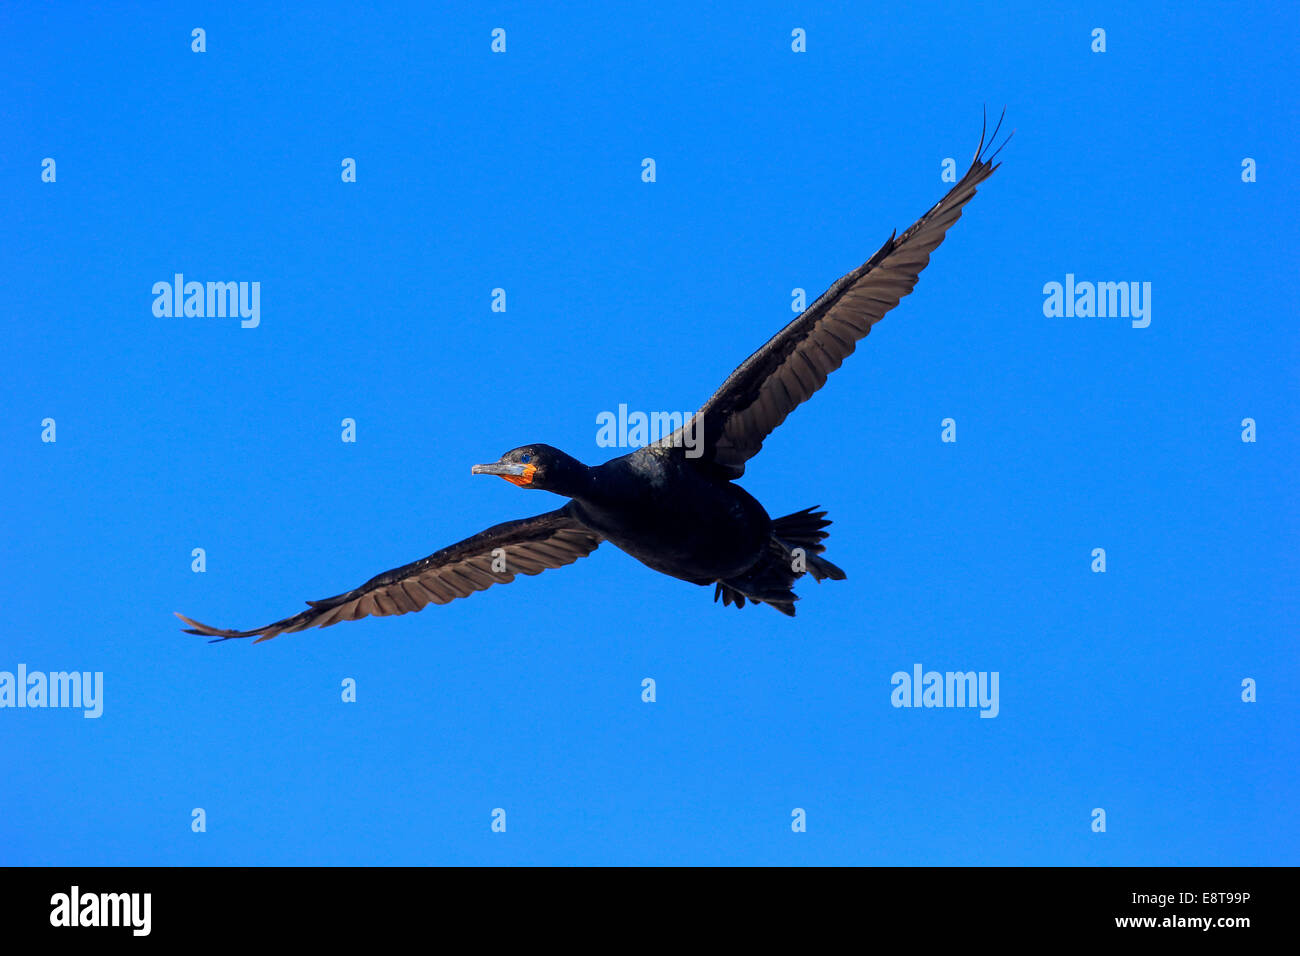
[(502, 468), (520, 475)]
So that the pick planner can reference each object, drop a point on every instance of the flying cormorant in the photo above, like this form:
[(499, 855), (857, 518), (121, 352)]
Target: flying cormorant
[(676, 513)]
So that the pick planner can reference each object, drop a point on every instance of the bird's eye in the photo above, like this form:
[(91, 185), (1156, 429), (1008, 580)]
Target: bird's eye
[(525, 459)]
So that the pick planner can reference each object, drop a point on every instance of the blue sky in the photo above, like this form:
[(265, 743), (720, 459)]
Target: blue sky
[(775, 170)]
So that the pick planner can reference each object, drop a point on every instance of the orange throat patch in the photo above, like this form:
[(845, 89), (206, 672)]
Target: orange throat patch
[(525, 479)]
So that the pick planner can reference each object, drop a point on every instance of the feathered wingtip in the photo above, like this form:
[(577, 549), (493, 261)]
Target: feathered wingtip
[(206, 630), (980, 158)]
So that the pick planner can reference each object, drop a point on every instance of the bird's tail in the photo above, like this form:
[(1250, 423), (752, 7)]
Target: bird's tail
[(770, 581), (804, 529)]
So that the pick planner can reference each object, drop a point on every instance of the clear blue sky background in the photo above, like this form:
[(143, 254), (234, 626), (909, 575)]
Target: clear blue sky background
[(776, 170)]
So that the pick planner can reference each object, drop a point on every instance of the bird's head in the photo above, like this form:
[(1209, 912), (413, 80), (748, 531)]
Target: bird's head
[(538, 466)]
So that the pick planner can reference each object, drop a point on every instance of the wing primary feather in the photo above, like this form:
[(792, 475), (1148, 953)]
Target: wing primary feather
[(549, 540), (759, 395)]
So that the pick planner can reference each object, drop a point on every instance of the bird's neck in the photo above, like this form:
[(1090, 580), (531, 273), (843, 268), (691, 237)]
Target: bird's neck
[(570, 478)]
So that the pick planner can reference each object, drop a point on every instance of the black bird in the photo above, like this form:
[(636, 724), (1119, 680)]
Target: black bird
[(672, 505)]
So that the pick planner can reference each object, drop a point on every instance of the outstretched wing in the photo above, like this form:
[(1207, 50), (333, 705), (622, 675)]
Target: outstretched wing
[(527, 546), (794, 364)]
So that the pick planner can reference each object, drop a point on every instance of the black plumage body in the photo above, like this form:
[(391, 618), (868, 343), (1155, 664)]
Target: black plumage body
[(659, 508)]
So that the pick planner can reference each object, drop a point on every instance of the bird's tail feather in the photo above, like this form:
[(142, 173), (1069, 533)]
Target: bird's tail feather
[(770, 581)]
